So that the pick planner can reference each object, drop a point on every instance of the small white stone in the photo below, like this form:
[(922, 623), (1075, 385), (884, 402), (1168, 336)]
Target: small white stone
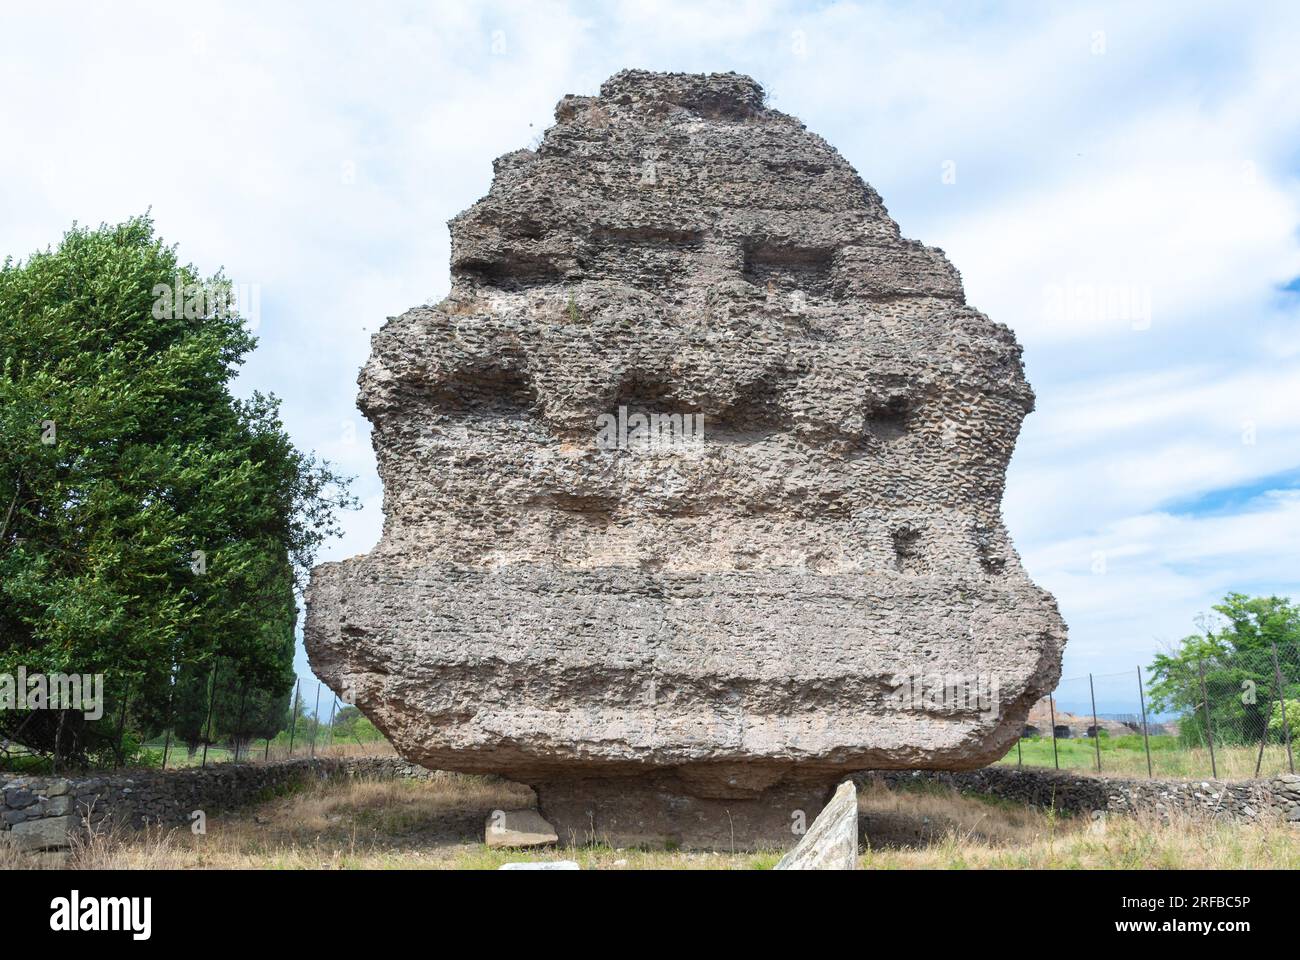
[(542, 865), (518, 828)]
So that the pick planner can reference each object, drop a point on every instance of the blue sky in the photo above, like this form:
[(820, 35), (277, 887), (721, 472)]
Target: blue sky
[(1122, 191)]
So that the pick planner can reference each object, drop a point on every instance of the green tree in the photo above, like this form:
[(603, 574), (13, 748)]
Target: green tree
[(345, 722), (1279, 728), (350, 724), (1230, 664), (223, 705), (151, 523)]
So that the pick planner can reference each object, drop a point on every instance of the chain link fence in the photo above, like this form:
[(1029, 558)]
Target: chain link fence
[(208, 719), (1230, 715), (319, 726)]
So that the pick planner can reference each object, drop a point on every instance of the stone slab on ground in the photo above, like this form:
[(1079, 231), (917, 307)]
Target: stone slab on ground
[(518, 828), (831, 843), (47, 833), (542, 865)]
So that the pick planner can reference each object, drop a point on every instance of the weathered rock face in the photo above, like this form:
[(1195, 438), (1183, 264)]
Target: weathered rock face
[(805, 573)]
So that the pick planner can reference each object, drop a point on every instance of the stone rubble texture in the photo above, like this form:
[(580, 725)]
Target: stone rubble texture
[(47, 833), (38, 812), (1260, 800), (697, 627)]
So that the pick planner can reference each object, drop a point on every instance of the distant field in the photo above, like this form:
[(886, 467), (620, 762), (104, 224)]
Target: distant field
[(1169, 758)]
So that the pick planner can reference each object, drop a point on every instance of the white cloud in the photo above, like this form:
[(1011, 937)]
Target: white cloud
[(1101, 450), (1143, 579)]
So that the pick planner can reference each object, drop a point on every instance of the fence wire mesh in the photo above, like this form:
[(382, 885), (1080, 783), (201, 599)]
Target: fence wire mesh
[(1225, 714)]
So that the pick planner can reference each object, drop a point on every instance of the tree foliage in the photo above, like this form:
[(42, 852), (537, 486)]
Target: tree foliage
[(1229, 664), (151, 523)]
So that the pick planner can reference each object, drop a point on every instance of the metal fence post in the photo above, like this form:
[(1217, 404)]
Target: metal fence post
[(212, 697), (171, 719), (334, 705), (1209, 732), (1281, 696), (1051, 705), (1146, 739), (1263, 737), (1020, 760), (315, 720), (1096, 727), (119, 753), (293, 724), (243, 701), (58, 738)]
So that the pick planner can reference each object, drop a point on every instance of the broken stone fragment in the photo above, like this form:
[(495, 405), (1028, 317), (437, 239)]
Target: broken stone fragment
[(831, 842), (518, 828), (47, 833), (542, 865)]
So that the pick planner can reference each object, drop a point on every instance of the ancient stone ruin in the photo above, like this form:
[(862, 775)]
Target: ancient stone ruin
[(692, 486)]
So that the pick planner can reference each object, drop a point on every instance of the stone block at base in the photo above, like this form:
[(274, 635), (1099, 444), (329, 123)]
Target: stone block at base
[(659, 811)]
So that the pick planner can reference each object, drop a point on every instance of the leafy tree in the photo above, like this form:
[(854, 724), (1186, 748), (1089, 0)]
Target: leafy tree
[(151, 523), (345, 721), (222, 705), (1230, 662), (350, 724), (1278, 729)]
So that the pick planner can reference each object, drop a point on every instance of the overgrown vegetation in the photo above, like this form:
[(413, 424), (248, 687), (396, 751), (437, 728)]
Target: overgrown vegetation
[(1229, 679), (153, 527)]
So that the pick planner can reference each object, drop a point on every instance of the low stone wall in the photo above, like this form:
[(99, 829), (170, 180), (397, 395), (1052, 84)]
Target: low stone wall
[(39, 813), (1276, 797)]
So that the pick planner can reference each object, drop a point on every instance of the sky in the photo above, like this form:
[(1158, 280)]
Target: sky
[(1118, 183)]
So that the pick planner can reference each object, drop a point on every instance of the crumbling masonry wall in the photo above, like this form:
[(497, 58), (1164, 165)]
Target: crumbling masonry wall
[(749, 615)]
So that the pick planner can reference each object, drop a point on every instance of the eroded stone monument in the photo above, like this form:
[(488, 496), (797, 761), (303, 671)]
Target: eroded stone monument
[(692, 486)]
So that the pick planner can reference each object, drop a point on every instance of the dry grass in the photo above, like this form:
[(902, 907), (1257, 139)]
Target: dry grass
[(438, 823), (940, 828)]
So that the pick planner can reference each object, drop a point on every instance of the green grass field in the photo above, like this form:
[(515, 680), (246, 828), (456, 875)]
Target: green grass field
[(1126, 756)]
